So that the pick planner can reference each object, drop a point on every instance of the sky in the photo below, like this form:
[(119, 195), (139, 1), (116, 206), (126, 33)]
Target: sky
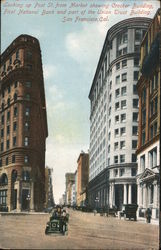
[(70, 53)]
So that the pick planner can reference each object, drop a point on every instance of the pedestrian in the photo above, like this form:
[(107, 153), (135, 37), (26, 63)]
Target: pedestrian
[(148, 215)]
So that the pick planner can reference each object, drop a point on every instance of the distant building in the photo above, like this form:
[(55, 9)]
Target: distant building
[(49, 197), (62, 200), (70, 179), (82, 177), (23, 126), (148, 151)]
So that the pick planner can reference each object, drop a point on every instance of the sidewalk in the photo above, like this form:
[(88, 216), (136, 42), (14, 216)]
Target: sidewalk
[(143, 220)]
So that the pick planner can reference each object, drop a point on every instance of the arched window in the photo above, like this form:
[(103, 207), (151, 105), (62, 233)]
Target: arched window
[(4, 180), (8, 101)]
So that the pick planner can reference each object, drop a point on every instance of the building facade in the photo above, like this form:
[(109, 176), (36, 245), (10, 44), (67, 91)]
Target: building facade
[(114, 111), (23, 126), (69, 181), (49, 197), (82, 177), (148, 151)]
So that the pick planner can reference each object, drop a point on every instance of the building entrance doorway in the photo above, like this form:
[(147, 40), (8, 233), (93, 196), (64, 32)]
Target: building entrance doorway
[(14, 198), (25, 199), (134, 193), (119, 196)]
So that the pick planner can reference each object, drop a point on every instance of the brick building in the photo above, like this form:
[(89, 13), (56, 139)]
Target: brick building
[(82, 177), (69, 181), (23, 126), (148, 151)]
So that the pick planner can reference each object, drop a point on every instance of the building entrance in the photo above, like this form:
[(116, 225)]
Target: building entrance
[(25, 199), (14, 198), (119, 196)]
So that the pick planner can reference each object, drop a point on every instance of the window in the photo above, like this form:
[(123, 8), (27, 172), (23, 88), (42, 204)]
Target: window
[(17, 54), (3, 197), (116, 159), (26, 175), (28, 97), (108, 148), (15, 111), (29, 67), (116, 132), (123, 117), (116, 145), (2, 106), (117, 66), (0, 162), (124, 51), (109, 111), (124, 63), (135, 116), (15, 97), (10, 60), (29, 54), (143, 116), (110, 97), (8, 130), (8, 101), (2, 133), (122, 145), (8, 144), (134, 130), (2, 119), (117, 119), (110, 84), (134, 144), (122, 158), (117, 105), (27, 111), (2, 147), (135, 92), (13, 159), (133, 172), (133, 158), (138, 35), (26, 141), (9, 89), (14, 141), (14, 126), (123, 131), (26, 159), (123, 91), (123, 104), (137, 48), (142, 163), (136, 62), (124, 77), (122, 171), (136, 75), (135, 103), (26, 126), (28, 84), (117, 93), (152, 155), (117, 79)]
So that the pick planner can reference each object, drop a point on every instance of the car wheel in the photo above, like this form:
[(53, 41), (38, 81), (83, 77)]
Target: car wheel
[(46, 231)]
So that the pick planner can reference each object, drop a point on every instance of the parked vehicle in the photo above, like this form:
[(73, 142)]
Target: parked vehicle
[(129, 211)]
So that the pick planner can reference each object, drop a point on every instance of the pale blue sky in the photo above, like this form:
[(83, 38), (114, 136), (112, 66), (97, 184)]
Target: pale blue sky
[(70, 53)]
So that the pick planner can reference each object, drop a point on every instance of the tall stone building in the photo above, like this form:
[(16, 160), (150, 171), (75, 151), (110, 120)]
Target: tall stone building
[(49, 196), (114, 116), (23, 126), (82, 177), (148, 151), (69, 181)]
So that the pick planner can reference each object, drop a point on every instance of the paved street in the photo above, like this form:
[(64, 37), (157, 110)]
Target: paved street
[(86, 231)]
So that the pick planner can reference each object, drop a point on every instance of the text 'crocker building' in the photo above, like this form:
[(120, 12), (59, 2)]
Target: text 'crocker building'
[(23, 127), (114, 116)]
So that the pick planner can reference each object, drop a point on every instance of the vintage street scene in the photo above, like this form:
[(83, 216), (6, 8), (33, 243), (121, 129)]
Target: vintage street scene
[(80, 125)]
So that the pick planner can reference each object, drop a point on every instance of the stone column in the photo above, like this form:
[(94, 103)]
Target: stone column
[(129, 194), (113, 194), (155, 195), (144, 196), (18, 196), (110, 203), (32, 196), (125, 193)]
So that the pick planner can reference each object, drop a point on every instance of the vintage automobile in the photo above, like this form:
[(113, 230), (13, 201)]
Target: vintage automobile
[(129, 211), (58, 224)]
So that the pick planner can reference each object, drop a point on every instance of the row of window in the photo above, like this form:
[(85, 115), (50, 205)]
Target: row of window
[(121, 172), (14, 128), (13, 160), (14, 143), (122, 159), (15, 85), (15, 113)]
